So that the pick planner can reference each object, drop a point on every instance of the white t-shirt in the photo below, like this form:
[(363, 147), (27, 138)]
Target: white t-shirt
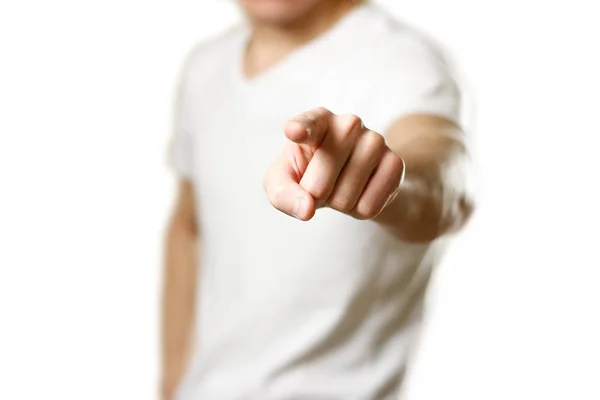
[(290, 310)]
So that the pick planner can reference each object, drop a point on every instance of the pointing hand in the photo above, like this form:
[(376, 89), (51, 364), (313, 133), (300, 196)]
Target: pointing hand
[(333, 161)]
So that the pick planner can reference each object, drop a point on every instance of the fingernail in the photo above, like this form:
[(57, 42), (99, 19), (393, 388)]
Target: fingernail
[(392, 197), (304, 119), (299, 208)]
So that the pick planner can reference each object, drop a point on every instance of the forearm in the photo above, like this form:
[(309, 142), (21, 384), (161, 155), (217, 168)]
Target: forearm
[(178, 302), (434, 199)]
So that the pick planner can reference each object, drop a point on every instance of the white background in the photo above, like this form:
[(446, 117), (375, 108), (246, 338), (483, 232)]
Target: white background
[(85, 97)]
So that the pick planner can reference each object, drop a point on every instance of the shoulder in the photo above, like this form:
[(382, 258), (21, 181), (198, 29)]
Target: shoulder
[(420, 65), (209, 53), (402, 46), (408, 72)]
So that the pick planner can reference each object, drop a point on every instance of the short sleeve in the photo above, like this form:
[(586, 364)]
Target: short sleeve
[(180, 150), (416, 79)]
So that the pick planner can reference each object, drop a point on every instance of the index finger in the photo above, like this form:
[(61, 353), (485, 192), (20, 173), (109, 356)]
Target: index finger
[(309, 128)]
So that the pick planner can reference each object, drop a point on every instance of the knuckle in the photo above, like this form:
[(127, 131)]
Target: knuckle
[(319, 192), (322, 111), (317, 118), (374, 141), (351, 123), (341, 203), (365, 210)]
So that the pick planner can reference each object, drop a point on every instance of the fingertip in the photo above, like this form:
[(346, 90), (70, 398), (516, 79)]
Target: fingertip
[(296, 131), (304, 207), (309, 215)]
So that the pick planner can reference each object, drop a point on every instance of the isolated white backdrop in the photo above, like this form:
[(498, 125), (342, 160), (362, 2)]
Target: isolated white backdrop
[(85, 97)]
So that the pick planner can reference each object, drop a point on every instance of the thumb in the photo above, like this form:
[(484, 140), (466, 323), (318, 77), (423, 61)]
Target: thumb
[(286, 194)]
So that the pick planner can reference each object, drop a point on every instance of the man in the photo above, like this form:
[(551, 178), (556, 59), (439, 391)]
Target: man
[(324, 302)]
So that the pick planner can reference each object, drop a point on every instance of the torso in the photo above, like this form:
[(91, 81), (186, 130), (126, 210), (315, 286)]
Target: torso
[(324, 309)]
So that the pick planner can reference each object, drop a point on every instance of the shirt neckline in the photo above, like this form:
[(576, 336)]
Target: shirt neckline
[(280, 68)]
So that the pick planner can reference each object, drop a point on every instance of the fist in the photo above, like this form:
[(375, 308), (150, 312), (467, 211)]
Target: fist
[(333, 161)]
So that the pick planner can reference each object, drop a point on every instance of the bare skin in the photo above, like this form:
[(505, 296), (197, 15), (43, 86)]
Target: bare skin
[(278, 29), (359, 175), (407, 180), (179, 290), (277, 33)]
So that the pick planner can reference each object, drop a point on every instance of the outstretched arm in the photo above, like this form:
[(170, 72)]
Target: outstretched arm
[(412, 180), (433, 199)]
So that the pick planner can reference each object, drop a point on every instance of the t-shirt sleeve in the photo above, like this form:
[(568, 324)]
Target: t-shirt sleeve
[(416, 79), (180, 148)]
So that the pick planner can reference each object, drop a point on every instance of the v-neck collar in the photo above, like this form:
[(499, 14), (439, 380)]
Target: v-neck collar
[(296, 58)]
